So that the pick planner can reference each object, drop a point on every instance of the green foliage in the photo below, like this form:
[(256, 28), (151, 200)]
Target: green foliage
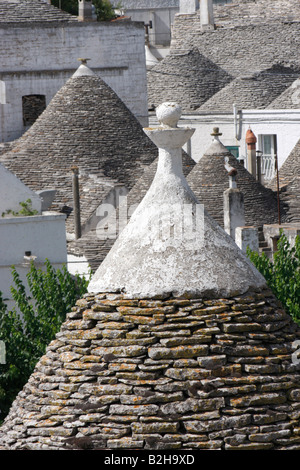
[(283, 274), (103, 8), (52, 294), (70, 6), (25, 211)]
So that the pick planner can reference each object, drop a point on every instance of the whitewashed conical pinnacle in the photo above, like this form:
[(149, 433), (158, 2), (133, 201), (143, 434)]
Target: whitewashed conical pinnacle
[(170, 245)]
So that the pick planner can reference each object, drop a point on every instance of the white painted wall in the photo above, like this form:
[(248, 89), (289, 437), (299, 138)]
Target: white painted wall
[(13, 191), (161, 13), (284, 123), (38, 59), (43, 235)]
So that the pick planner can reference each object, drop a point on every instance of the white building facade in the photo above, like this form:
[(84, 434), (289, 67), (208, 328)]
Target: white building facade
[(277, 132), (26, 238)]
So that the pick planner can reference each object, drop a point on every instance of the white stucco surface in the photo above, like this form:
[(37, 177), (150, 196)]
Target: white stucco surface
[(283, 123), (44, 236), (170, 245), (13, 191)]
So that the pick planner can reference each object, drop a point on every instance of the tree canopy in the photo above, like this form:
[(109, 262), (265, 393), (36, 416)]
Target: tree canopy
[(103, 8)]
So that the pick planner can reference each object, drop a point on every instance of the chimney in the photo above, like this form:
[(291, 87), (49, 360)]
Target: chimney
[(206, 15), (76, 201), (188, 6), (85, 10), (251, 151)]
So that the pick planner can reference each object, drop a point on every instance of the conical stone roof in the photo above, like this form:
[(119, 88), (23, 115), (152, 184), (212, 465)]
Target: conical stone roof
[(32, 11), (189, 78), (209, 180), (252, 91), (289, 99), (175, 372), (86, 124)]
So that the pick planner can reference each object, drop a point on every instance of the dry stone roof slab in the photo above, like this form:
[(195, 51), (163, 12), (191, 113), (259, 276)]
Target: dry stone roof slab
[(87, 125), (189, 79), (242, 12), (209, 180), (250, 36), (252, 91), (32, 11), (174, 373), (289, 99)]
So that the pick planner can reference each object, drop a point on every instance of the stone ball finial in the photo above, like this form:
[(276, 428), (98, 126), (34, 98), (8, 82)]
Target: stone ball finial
[(216, 132), (83, 60), (168, 114)]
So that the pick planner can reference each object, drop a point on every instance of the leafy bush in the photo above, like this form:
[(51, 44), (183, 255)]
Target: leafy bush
[(283, 274), (103, 8), (52, 294), (26, 210)]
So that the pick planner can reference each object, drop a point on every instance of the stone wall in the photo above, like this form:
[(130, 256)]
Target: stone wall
[(116, 51), (164, 374), (240, 48)]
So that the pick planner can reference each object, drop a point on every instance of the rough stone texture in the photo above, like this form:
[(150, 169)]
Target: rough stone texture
[(209, 179), (87, 125), (256, 90), (173, 373), (289, 99), (241, 12), (250, 37), (19, 11), (189, 78)]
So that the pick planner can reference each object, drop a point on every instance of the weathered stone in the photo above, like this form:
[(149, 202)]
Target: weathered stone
[(162, 386), (140, 410), (212, 362), (129, 351), (202, 427), (162, 427), (192, 405), (179, 352), (124, 443), (258, 400)]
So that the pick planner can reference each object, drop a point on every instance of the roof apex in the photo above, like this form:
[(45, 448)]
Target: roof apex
[(171, 245), (83, 69)]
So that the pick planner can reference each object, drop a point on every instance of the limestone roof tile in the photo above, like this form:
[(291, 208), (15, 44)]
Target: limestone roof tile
[(250, 37), (209, 179), (31, 11), (252, 91), (289, 99), (190, 79), (86, 124)]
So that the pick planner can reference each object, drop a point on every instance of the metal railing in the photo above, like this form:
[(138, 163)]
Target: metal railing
[(268, 166)]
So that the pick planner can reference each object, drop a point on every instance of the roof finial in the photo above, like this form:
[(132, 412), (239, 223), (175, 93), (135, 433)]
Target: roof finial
[(83, 60), (168, 114), (232, 172), (216, 132)]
